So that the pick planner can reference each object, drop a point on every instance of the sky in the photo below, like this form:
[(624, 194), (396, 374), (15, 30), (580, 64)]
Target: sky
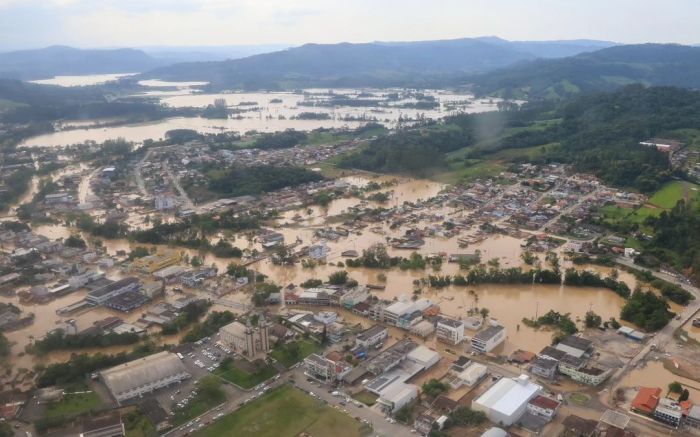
[(133, 23)]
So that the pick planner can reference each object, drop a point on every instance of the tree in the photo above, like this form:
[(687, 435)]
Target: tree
[(484, 313), (684, 396), (675, 387), (592, 320), (75, 241), (528, 257), (138, 252), (553, 260), (338, 278), (434, 388), (196, 261)]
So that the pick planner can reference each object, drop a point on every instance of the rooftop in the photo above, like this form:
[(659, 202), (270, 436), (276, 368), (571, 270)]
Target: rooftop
[(488, 333), (647, 399), (508, 394), (544, 402)]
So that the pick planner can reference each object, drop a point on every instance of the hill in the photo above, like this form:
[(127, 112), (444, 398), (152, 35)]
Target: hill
[(61, 60), (602, 70), (416, 63)]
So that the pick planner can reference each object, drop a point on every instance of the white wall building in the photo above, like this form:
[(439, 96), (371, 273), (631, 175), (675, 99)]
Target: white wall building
[(472, 374), (506, 401), (397, 395), (489, 338), (450, 330), (371, 336)]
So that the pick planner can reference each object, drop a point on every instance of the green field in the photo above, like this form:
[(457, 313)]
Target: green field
[(73, 404), (366, 397), (668, 195), (245, 379), (288, 355), (210, 395), (284, 412)]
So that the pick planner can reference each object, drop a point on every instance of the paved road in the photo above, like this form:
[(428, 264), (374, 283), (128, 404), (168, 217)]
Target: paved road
[(184, 198)]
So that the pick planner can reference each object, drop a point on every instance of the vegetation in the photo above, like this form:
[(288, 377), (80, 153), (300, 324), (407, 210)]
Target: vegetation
[(646, 310), (73, 404), (338, 278), (284, 412), (561, 322), (280, 140), (189, 314), (243, 378), (592, 320), (291, 353), (210, 326), (589, 279), (244, 180), (434, 388), (58, 340)]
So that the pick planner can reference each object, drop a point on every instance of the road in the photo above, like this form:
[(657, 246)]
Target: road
[(139, 177), (175, 181)]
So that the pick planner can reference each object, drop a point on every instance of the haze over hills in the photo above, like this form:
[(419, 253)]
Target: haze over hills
[(413, 63), (602, 70), (176, 54), (63, 60)]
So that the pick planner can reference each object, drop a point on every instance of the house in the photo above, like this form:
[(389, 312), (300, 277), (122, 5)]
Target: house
[(472, 374), (325, 369), (155, 414), (646, 400), (319, 251), (574, 346), (489, 338), (693, 416), (544, 367), (589, 375), (543, 406)]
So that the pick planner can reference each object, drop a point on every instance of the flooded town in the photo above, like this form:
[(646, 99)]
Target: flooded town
[(306, 219)]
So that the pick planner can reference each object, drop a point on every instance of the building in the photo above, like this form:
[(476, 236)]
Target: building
[(155, 414), (371, 336), (246, 340), (585, 375), (109, 425), (106, 292), (472, 374), (151, 263), (196, 278), (424, 357), (574, 346), (354, 297), (544, 368), (144, 375), (693, 417), (164, 203), (449, 331), (423, 329), (391, 357), (662, 144), (489, 338), (396, 310), (646, 400), (543, 406), (506, 401), (126, 301), (668, 411), (396, 396), (325, 369)]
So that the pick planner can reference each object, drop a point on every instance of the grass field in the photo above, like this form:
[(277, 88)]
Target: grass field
[(284, 412), (245, 379), (668, 195), (286, 356), (73, 404), (137, 425), (366, 397)]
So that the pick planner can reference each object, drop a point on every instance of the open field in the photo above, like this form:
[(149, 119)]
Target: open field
[(671, 193), (243, 378), (73, 404), (284, 412)]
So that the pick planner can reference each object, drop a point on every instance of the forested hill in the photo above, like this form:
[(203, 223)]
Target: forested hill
[(602, 70), (62, 60), (423, 63), (597, 133)]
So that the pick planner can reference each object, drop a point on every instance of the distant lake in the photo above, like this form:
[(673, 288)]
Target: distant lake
[(86, 80)]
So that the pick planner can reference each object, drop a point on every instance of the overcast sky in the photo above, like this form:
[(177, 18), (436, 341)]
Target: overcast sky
[(128, 23)]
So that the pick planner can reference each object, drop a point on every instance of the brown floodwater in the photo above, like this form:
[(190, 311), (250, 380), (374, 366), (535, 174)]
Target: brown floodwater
[(655, 375)]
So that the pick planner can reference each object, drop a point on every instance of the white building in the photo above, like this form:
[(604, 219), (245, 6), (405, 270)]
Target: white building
[(668, 411), (472, 374), (506, 401), (164, 203), (326, 370), (399, 309), (543, 406), (397, 395), (371, 336), (424, 357), (489, 338), (450, 330)]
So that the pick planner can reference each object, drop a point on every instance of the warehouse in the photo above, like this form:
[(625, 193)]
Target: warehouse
[(506, 401), (138, 377)]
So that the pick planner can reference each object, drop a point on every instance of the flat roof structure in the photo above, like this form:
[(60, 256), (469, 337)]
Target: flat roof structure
[(508, 396)]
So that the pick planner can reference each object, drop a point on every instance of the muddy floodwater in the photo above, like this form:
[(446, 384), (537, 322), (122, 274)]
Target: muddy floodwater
[(655, 375), (264, 112), (509, 304), (84, 80)]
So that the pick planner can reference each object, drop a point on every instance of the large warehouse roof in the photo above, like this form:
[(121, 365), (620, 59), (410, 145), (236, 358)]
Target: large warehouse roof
[(141, 372), (508, 394)]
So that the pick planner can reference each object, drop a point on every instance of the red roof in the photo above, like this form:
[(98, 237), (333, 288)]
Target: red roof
[(647, 399), (544, 402)]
